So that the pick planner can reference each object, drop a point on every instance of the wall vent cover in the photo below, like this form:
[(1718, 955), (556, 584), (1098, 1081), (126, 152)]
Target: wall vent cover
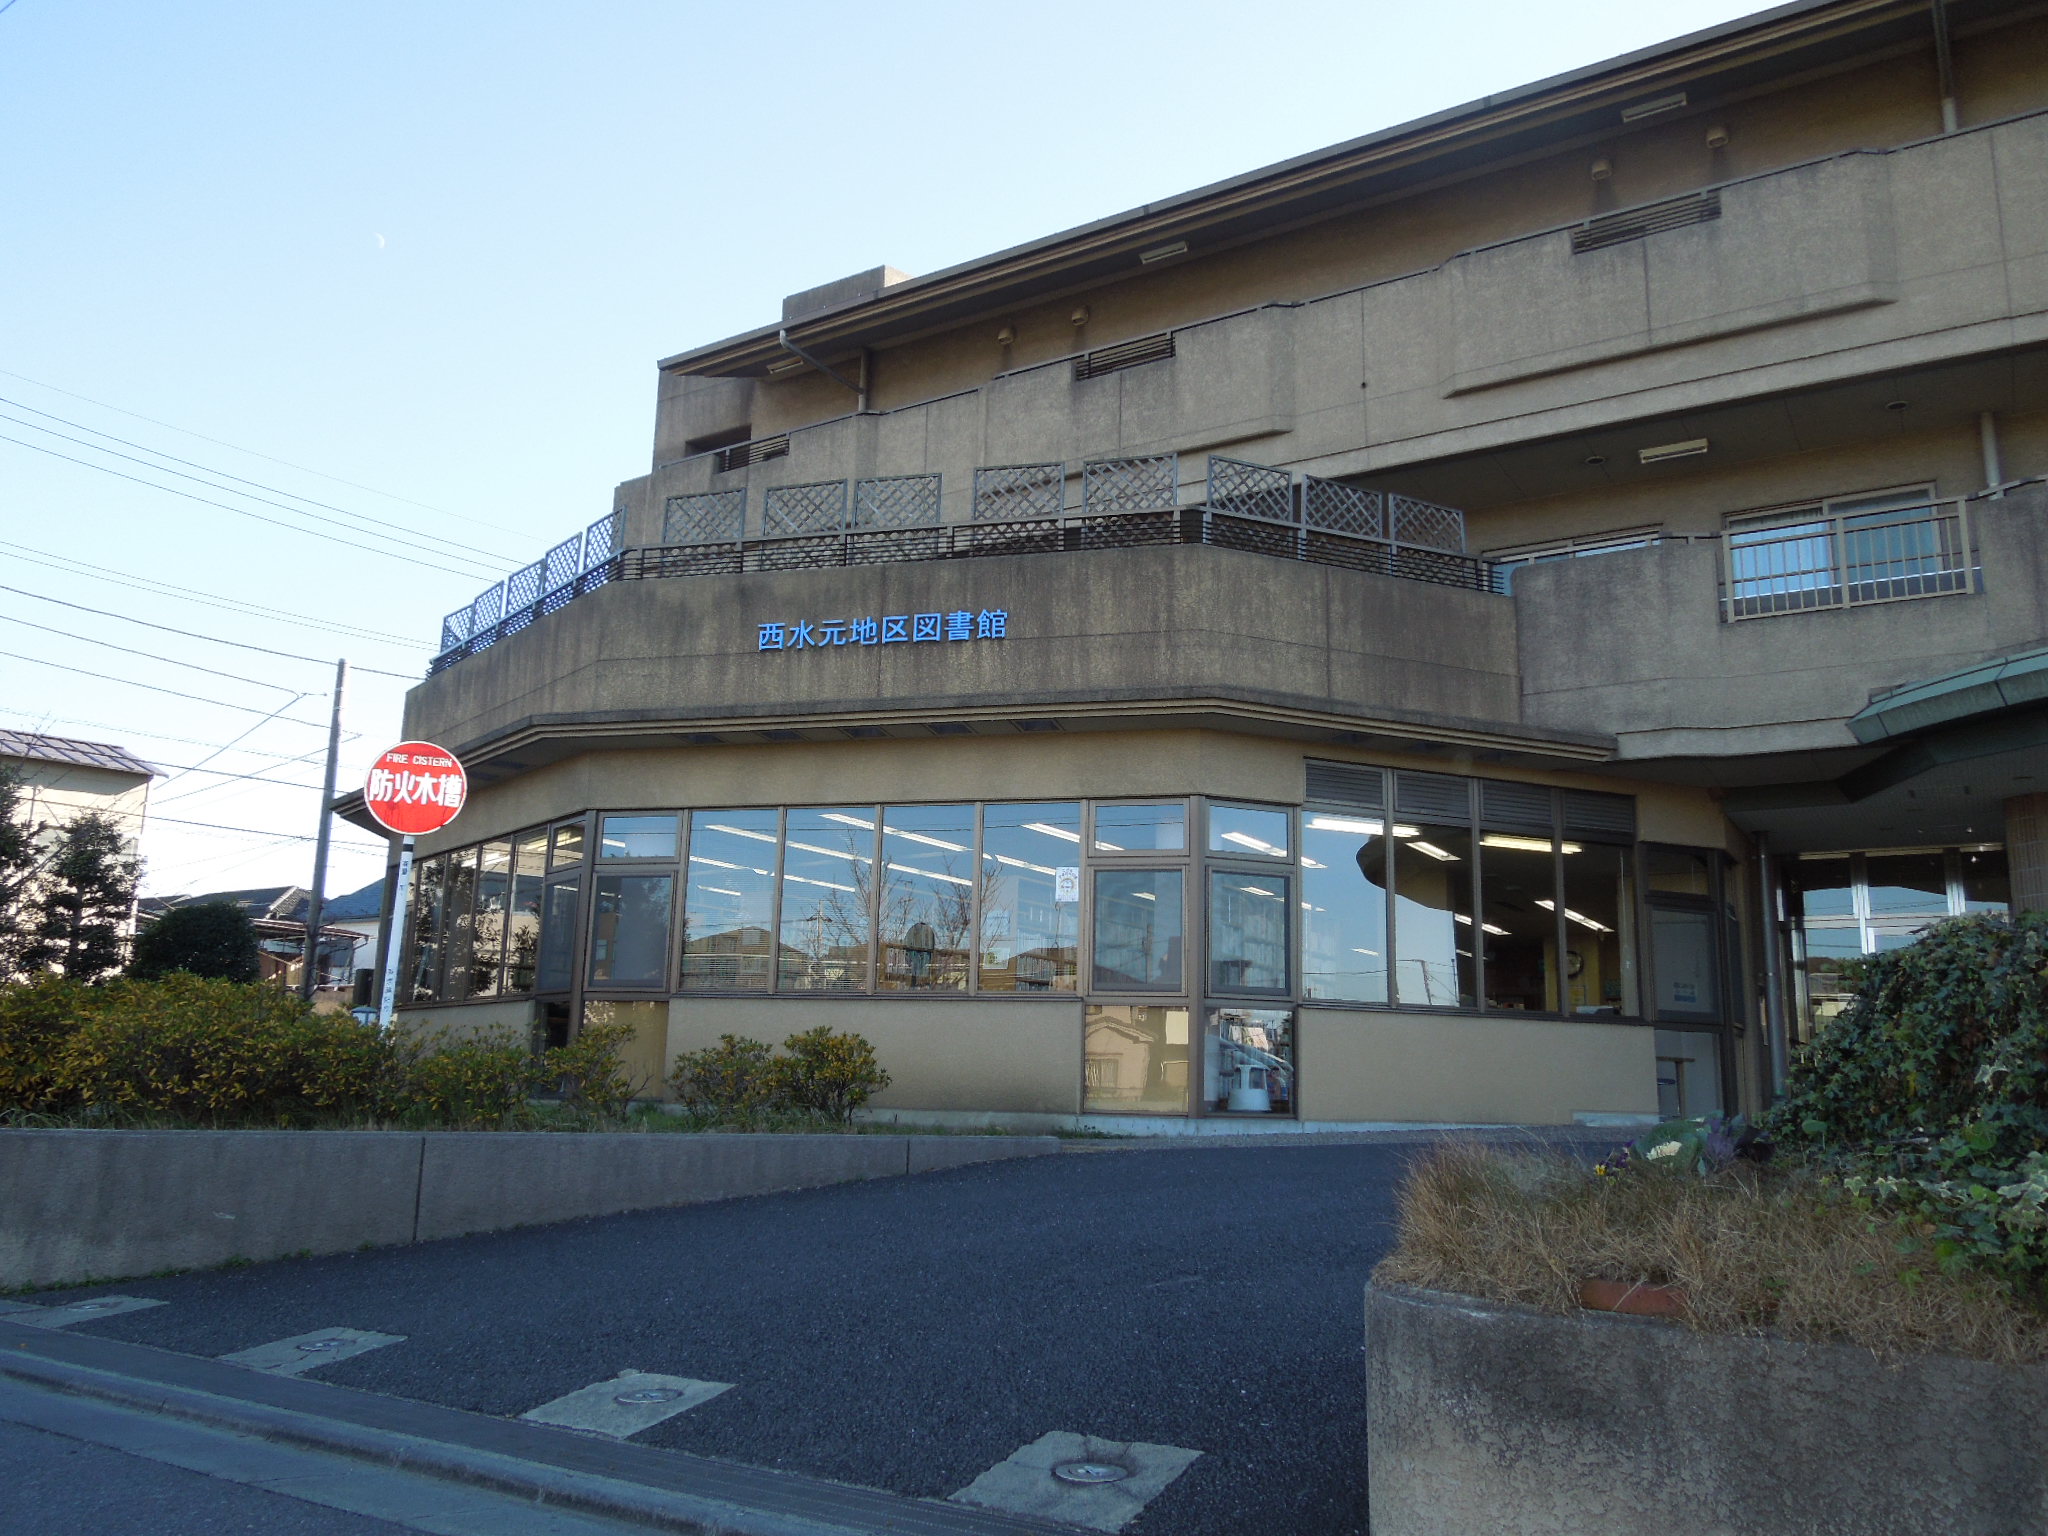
[(1590, 812), (1504, 804), (1619, 228), (1125, 354), (1433, 796), (1346, 785)]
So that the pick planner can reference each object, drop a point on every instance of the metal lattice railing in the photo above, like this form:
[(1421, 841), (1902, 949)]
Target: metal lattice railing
[(561, 565), (1010, 493), (797, 509), (601, 538), (1426, 524), (896, 501), (1335, 507), (1242, 489), (1149, 484), (716, 517)]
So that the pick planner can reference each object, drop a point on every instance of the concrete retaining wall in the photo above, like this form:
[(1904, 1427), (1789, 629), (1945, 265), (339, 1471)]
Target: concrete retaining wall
[(76, 1205), (1483, 1417)]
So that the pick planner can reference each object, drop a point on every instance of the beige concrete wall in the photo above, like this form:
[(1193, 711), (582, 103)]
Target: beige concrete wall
[(1424, 1067), (452, 1023), (57, 793), (1001, 1055)]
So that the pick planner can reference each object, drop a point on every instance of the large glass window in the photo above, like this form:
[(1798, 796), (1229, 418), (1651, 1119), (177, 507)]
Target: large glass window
[(1138, 930), (493, 901), (558, 937), (1248, 831), (637, 837), (729, 901), (927, 897), (1986, 887), (629, 931), (1599, 931), (457, 981), (1248, 931), (1907, 884), (1518, 920), (1134, 1060), (568, 846), (1434, 952), (828, 869), (1682, 957), (428, 908), (522, 923), (1248, 1061), (1343, 907), (1030, 897), (1157, 827)]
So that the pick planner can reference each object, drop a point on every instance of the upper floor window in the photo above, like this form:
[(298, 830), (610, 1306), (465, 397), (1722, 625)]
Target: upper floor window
[(1870, 548)]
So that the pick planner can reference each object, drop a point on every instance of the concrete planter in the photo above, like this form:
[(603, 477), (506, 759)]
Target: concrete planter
[(79, 1205), (1486, 1419)]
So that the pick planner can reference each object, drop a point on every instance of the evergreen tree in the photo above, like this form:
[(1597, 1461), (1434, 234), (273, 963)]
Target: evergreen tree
[(214, 938), (84, 901), (20, 856)]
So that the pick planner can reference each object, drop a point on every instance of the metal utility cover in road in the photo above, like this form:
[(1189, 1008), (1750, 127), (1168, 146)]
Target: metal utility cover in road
[(415, 788)]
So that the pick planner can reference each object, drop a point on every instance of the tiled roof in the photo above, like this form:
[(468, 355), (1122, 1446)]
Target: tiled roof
[(34, 746), (368, 902)]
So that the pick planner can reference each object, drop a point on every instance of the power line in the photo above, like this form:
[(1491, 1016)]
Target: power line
[(325, 506), (214, 826), (240, 511), (104, 725), (157, 588), (153, 688), (129, 650), (195, 635), (223, 443)]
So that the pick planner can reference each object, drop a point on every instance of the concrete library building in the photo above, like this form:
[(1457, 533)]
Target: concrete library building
[(1476, 624)]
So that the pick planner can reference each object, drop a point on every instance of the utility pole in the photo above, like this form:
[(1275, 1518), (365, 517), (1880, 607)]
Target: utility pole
[(316, 899)]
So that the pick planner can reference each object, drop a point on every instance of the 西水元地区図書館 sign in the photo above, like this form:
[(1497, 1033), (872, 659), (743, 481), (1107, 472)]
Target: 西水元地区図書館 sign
[(889, 629)]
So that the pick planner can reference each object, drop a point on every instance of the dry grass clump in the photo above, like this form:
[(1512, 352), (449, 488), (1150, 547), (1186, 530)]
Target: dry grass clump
[(1754, 1250)]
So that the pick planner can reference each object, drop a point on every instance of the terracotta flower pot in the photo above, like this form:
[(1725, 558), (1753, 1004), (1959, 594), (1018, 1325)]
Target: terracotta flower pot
[(1638, 1298)]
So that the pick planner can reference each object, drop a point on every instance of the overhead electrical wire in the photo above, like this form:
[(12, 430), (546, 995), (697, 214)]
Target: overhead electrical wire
[(389, 554), (157, 588), (219, 442), (103, 725), (190, 634), (318, 725), (325, 506), (129, 650)]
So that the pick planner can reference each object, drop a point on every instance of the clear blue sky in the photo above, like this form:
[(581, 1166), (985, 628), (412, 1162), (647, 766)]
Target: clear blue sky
[(434, 249)]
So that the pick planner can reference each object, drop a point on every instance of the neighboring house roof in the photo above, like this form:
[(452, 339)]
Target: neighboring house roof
[(280, 903), (368, 902), (35, 747)]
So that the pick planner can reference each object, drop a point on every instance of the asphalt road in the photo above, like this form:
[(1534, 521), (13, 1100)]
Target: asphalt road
[(906, 1334)]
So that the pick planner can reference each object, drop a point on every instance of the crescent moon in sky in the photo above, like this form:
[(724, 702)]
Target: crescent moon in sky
[(380, 242)]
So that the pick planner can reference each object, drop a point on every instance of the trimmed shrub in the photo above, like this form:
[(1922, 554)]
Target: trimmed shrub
[(214, 938), (827, 1074), (479, 1082), (732, 1079), (36, 1018), (590, 1071)]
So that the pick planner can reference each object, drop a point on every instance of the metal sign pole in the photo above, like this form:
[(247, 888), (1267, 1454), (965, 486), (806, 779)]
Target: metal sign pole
[(316, 899), (394, 935)]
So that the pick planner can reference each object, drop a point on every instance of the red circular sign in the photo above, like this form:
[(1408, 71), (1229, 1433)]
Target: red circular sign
[(416, 787)]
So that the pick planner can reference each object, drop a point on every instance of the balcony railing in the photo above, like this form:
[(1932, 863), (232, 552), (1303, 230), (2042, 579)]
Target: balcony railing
[(1846, 559), (1125, 504)]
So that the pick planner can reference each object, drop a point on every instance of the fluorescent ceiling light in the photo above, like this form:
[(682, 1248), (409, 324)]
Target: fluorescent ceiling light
[(1004, 858), (846, 820), (1373, 952), (721, 890), (928, 874), (714, 863), (1526, 844), (1309, 863), (1656, 106), (1257, 890), (1052, 831), (1246, 840), (1347, 824), (1578, 917), (831, 853), (929, 842), (1145, 895), (827, 884), (759, 837), (1433, 851), (1690, 448)]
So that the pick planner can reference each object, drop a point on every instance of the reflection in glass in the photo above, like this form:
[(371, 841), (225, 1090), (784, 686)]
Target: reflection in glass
[(637, 837), (1433, 954), (1518, 920), (1986, 885), (557, 937), (1134, 1060), (729, 901), (1248, 931), (1599, 932), (828, 866), (522, 923), (461, 893), (1343, 907), (429, 889), (1907, 883), (629, 931), (1157, 828), (493, 898), (1248, 1061), (927, 897), (1824, 887), (1028, 932), (1683, 871), (1138, 929), (1248, 831), (568, 845), (1682, 955)]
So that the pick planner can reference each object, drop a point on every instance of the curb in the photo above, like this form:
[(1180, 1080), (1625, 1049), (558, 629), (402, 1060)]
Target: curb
[(738, 1501)]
